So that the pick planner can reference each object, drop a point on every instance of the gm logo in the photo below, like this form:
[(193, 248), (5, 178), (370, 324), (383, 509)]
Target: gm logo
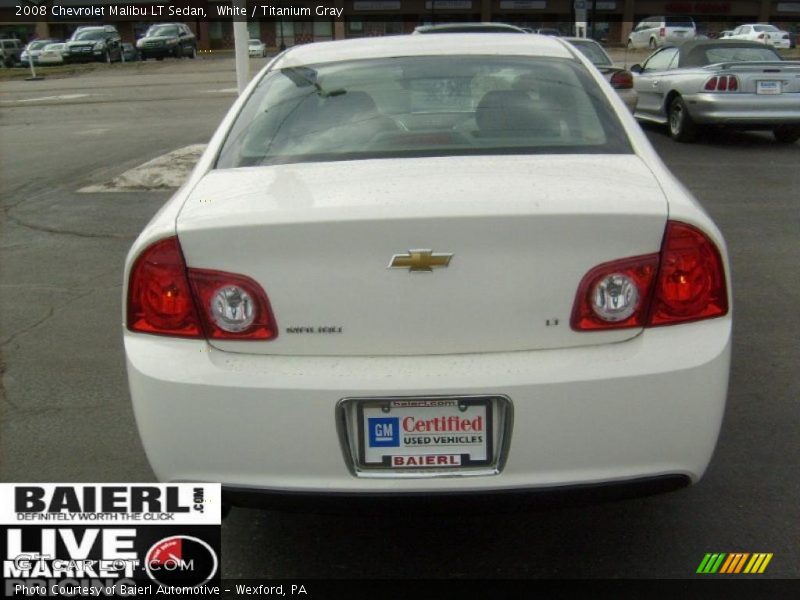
[(384, 432)]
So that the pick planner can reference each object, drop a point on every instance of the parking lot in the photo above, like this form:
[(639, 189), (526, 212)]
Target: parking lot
[(66, 414)]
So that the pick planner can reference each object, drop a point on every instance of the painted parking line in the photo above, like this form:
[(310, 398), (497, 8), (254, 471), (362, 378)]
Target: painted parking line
[(46, 98)]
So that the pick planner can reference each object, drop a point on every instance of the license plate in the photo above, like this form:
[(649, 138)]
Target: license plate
[(768, 87), (405, 434)]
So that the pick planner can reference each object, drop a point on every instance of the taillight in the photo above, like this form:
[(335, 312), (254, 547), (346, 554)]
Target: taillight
[(159, 297), (684, 282), (761, 36), (166, 298), (615, 295), (622, 80), (691, 278), (233, 307), (722, 83), (662, 32)]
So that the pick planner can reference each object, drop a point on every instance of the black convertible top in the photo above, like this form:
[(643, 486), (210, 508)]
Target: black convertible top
[(693, 53)]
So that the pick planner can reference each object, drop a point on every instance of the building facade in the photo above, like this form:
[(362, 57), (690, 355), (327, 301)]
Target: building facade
[(613, 19)]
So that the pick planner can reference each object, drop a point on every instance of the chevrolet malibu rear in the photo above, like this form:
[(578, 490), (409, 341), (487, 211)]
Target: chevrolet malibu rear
[(423, 265)]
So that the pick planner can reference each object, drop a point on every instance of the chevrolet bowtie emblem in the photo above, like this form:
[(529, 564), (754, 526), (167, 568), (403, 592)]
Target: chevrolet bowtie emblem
[(420, 260)]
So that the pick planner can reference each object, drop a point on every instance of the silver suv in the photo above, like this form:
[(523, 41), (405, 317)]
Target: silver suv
[(10, 52), (655, 32)]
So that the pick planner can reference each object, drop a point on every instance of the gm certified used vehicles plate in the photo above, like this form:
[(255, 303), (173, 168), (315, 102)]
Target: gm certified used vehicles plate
[(427, 264)]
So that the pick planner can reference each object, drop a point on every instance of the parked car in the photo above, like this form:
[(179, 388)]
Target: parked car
[(656, 32), (10, 52), (469, 28), (529, 278), (725, 34), (763, 33), (33, 50), (129, 52), (101, 43), (167, 39), (619, 77), (257, 48), (548, 31), (52, 54), (730, 83)]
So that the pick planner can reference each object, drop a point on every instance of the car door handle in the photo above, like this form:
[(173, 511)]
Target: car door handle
[(654, 83)]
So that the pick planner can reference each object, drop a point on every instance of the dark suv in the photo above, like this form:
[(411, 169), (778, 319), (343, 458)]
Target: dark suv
[(101, 43), (167, 39)]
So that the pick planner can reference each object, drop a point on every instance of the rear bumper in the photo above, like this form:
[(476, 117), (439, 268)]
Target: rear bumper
[(645, 408), (448, 502), (744, 110)]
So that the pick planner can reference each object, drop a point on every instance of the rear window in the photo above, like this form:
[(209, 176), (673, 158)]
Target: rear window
[(593, 51), (719, 55), (679, 22), (423, 106)]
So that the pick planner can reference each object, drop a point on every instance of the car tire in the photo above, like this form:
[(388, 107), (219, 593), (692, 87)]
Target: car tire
[(193, 52), (653, 44), (107, 58), (786, 134), (178, 52), (679, 122)]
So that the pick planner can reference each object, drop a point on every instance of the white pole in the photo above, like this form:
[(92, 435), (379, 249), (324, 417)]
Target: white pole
[(240, 40)]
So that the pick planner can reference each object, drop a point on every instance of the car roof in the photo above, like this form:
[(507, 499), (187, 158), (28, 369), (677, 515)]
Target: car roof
[(466, 27), (689, 51), (424, 45)]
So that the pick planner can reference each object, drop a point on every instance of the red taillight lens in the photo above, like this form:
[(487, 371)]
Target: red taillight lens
[(166, 298), (722, 83), (761, 36), (685, 282), (622, 80), (662, 32), (615, 295), (159, 297), (691, 278), (234, 307)]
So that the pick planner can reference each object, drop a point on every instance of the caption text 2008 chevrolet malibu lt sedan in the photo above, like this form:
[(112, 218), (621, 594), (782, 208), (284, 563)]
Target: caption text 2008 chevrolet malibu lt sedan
[(429, 264)]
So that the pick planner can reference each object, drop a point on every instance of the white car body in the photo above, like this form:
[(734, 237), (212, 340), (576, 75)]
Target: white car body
[(569, 407), (763, 33), (257, 48), (52, 54), (655, 32)]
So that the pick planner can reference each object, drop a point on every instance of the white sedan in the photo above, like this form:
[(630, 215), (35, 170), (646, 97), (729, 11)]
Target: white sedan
[(423, 265), (763, 33), (52, 54), (256, 48)]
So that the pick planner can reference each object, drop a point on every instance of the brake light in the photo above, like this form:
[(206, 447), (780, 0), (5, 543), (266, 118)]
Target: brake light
[(622, 80), (159, 297), (166, 298), (662, 32), (684, 282), (761, 36), (722, 83), (691, 278)]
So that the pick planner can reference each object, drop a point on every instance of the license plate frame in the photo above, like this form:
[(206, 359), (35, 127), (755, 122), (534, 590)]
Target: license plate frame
[(770, 87), (487, 459)]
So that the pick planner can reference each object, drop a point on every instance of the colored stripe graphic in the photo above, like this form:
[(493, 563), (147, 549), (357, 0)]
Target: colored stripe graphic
[(758, 563), (711, 563), (734, 563)]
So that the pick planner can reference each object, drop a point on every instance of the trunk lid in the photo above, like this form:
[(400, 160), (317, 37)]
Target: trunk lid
[(523, 231)]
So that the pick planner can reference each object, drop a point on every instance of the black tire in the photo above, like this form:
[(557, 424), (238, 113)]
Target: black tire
[(178, 52), (653, 44), (681, 126), (786, 134)]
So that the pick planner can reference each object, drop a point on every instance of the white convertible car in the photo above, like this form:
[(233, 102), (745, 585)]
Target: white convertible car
[(429, 265)]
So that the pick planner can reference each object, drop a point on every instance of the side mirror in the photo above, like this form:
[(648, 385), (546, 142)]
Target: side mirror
[(637, 68)]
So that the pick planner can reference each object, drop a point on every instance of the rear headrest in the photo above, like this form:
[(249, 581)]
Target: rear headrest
[(511, 113)]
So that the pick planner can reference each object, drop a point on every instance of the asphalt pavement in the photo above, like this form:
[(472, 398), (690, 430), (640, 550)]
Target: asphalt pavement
[(66, 413)]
